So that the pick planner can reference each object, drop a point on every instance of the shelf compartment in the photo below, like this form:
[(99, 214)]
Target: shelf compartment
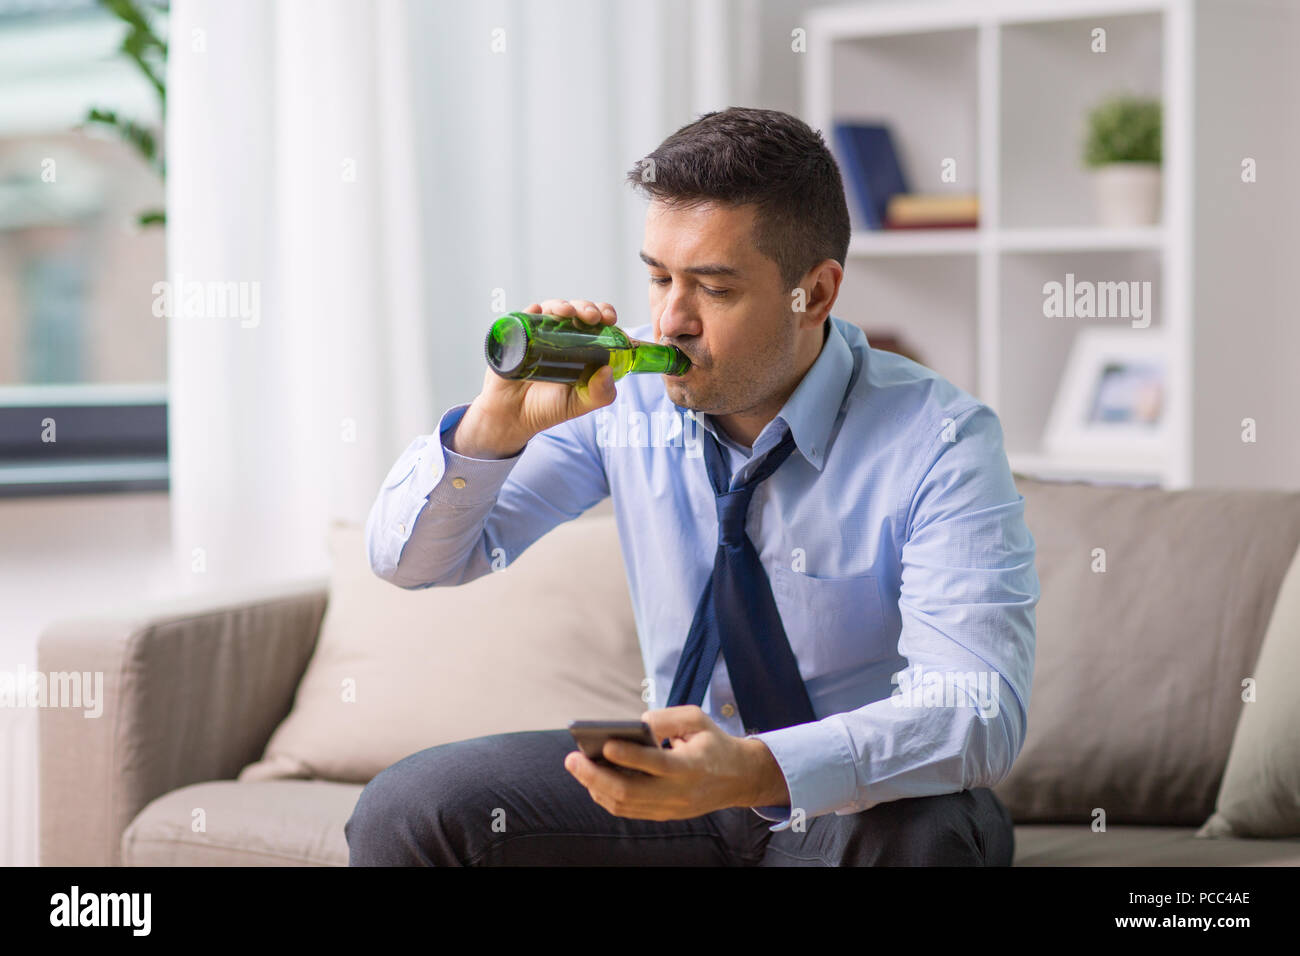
[(1034, 347), (928, 301), (925, 87), (1050, 79)]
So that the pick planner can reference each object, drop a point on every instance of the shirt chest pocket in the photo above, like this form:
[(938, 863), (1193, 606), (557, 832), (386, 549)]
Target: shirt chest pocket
[(832, 623)]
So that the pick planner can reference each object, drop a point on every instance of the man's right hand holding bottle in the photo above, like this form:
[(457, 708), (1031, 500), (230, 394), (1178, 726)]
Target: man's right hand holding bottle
[(507, 413)]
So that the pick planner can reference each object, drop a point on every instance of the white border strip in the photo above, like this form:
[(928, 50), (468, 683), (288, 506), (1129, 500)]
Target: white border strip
[(142, 393), (144, 469)]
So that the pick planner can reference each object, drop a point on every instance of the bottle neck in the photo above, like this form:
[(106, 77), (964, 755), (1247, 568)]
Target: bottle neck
[(665, 359)]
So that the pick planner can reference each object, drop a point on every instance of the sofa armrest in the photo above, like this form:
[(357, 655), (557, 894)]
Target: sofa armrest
[(192, 691)]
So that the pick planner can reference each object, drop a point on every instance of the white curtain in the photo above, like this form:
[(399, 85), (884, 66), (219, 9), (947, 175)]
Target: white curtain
[(391, 175), (291, 173)]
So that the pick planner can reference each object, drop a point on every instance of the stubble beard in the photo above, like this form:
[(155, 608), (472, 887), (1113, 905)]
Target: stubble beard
[(720, 399)]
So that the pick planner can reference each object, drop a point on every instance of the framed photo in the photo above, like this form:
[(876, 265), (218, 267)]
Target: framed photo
[(1111, 403)]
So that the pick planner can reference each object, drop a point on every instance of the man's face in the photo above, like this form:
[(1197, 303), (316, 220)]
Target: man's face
[(721, 301)]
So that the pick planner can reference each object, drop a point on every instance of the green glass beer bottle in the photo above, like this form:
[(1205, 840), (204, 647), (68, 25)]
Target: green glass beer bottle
[(550, 348)]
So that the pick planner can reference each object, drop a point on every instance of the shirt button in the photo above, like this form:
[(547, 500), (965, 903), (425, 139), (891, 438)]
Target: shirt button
[(401, 528), (728, 710), (458, 482)]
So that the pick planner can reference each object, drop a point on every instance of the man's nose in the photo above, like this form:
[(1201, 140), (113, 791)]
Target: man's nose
[(676, 320)]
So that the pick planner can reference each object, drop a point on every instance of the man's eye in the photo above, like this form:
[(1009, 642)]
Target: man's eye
[(666, 280)]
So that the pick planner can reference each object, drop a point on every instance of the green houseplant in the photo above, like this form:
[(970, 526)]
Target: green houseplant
[(144, 47), (1123, 151)]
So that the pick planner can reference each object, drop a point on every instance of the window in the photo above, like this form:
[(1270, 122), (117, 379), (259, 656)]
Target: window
[(83, 402)]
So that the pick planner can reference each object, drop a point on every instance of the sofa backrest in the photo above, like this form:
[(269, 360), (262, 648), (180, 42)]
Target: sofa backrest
[(1152, 611)]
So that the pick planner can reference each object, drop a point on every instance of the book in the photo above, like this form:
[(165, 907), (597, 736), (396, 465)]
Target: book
[(954, 224), (872, 167), (932, 209)]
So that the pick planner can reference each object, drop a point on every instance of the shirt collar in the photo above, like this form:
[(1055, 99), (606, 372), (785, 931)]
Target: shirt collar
[(813, 406)]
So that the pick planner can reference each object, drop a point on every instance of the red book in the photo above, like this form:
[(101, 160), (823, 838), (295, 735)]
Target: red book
[(953, 224)]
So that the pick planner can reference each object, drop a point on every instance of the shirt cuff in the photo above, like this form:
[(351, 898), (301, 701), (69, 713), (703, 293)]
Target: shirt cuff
[(818, 766), (456, 480)]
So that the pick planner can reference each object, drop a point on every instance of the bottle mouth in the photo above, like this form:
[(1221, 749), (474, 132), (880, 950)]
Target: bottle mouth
[(506, 344)]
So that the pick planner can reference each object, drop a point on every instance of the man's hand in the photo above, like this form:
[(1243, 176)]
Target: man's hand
[(707, 769), (507, 413)]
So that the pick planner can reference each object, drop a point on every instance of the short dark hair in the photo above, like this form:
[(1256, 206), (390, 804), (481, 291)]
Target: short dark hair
[(739, 156)]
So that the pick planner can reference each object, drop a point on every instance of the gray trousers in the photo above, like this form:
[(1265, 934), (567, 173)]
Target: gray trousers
[(506, 800)]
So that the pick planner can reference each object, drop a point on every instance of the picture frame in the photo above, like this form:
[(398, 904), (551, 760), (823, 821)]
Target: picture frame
[(1112, 403)]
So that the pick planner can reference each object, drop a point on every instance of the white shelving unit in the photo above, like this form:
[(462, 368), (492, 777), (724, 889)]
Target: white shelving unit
[(1003, 88)]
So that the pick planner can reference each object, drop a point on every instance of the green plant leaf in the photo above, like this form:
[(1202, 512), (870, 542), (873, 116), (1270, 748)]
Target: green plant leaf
[(1123, 129), (138, 136), (144, 47)]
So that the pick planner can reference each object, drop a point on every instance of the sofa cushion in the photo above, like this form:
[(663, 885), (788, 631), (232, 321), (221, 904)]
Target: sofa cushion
[(1045, 844), (1260, 796), (272, 823), (547, 639), (300, 823), (1138, 667)]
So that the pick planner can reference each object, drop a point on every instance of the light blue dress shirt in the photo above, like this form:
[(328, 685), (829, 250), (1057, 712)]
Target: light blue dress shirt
[(894, 538)]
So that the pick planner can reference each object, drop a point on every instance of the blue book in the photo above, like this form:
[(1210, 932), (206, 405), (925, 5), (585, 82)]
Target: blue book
[(872, 167)]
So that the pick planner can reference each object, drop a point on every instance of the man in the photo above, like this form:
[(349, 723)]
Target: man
[(832, 580)]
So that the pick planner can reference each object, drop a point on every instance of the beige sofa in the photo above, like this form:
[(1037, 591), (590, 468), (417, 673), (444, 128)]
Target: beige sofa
[(1155, 606)]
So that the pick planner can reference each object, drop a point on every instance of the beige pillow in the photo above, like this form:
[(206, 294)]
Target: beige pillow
[(1260, 796), (1137, 668), (547, 639)]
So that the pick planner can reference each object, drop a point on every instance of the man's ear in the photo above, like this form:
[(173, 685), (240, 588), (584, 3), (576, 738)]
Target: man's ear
[(815, 294), (820, 288)]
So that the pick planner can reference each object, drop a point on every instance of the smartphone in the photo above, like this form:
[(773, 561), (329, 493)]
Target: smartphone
[(590, 736)]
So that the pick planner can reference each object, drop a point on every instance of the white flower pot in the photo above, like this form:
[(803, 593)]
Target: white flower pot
[(1128, 194)]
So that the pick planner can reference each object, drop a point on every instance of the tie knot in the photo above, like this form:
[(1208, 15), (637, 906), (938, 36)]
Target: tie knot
[(733, 508)]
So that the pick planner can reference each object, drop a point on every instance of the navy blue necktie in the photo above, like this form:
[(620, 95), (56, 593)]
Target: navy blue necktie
[(737, 614)]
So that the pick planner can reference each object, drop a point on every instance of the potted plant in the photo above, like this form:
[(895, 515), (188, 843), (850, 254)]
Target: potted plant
[(1123, 152)]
